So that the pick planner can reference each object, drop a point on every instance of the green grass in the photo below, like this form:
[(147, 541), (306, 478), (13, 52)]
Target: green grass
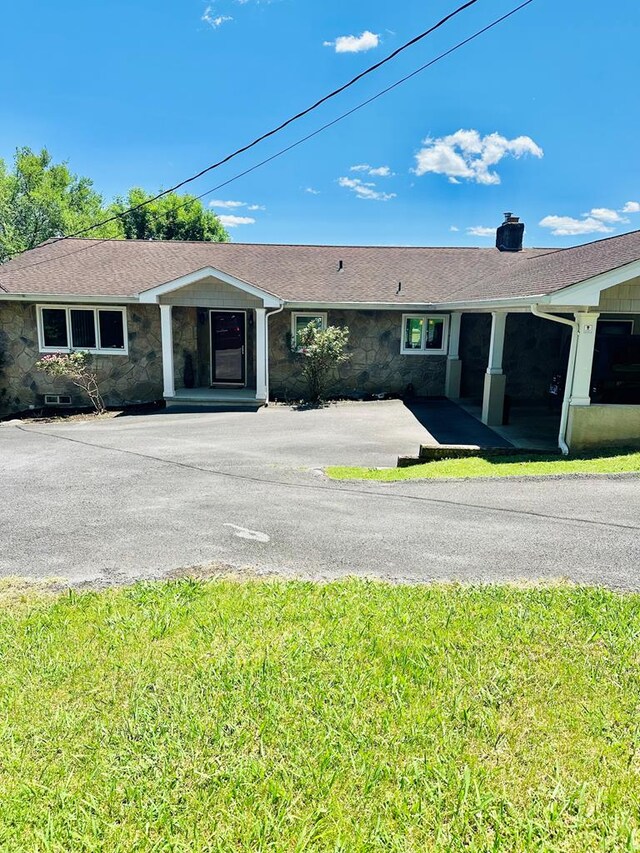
[(613, 462), (291, 716)]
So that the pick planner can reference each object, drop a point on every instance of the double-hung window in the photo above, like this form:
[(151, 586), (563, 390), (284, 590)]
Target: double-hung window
[(99, 330), (424, 334), (300, 320)]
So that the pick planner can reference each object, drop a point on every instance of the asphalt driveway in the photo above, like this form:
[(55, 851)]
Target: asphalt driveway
[(143, 497)]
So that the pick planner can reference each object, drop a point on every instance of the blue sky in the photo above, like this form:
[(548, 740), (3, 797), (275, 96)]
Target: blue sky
[(134, 92)]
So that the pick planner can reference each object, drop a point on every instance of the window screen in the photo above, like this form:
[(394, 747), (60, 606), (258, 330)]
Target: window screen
[(111, 329), (83, 328), (301, 321), (434, 334), (54, 327), (413, 327)]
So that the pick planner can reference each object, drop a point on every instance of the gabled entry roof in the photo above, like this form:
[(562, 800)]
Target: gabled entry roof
[(393, 275)]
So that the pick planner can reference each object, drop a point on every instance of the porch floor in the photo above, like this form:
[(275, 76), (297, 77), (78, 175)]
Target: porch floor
[(214, 397), (532, 426), (458, 422)]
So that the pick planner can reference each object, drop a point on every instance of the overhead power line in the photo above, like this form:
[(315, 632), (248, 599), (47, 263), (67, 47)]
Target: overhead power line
[(284, 124), (300, 141)]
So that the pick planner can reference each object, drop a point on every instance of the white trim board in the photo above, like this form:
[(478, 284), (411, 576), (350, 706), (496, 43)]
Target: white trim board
[(153, 294), (67, 299), (95, 309), (588, 292)]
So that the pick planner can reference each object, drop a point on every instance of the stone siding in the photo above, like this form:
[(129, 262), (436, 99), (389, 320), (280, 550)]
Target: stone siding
[(375, 366), (128, 379), (185, 340), (534, 349)]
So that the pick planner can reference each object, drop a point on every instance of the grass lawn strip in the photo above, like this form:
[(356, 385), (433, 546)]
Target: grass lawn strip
[(291, 716), (614, 462)]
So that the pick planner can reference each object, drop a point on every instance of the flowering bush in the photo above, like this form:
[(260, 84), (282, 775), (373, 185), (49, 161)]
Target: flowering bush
[(74, 366), (323, 351)]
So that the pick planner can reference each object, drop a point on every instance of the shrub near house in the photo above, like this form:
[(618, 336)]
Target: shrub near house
[(323, 352)]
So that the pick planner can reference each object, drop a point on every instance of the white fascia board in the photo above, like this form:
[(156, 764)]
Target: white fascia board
[(358, 306), (67, 298), (588, 292), (517, 303), (153, 294)]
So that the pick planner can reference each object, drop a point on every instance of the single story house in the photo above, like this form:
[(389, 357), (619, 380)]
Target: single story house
[(217, 323)]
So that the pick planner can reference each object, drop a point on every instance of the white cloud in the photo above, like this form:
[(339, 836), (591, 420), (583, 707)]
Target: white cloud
[(231, 221), (226, 204), (467, 155), (480, 231), (374, 171), (365, 189), (312, 191), (354, 44), (565, 226), (214, 21), (605, 214), (631, 207), (454, 228)]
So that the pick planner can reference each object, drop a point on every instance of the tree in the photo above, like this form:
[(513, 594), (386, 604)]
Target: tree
[(323, 351), (40, 199), (172, 217)]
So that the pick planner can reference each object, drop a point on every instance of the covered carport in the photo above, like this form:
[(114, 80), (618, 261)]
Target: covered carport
[(567, 361)]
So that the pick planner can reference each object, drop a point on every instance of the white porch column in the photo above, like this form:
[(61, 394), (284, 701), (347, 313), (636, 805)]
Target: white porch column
[(454, 365), (581, 390), (495, 380), (167, 350), (261, 353)]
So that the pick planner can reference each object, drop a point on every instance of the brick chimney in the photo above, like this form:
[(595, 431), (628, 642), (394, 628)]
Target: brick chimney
[(509, 235)]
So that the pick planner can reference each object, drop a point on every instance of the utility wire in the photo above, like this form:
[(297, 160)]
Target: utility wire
[(298, 142), (284, 124)]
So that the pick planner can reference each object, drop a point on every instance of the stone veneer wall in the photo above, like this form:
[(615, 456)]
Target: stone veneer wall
[(124, 379), (534, 349), (185, 339), (376, 365)]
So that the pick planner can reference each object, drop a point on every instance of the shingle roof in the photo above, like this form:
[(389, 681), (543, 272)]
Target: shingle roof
[(82, 267)]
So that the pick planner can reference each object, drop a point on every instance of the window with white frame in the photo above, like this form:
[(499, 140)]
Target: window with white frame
[(300, 320), (98, 330), (424, 334)]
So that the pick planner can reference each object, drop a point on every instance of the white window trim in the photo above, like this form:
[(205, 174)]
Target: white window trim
[(422, 351), (628, 320), (312, 315), (94, 309)]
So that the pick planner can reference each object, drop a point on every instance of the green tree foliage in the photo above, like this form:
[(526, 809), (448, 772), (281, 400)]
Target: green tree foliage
[(323, 350), (172, 217), (40, 199)]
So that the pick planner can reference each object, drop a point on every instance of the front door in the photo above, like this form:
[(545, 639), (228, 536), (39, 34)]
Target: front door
[(228, 347)]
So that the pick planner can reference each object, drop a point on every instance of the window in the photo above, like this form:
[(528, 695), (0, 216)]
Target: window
[(422, 334), (99, 330), (615, 327), (300, 321)]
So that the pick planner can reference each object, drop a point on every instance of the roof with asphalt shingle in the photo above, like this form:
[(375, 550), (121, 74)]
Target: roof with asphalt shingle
[(84, 267)]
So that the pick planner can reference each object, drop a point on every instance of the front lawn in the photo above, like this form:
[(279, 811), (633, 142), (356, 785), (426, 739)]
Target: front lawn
[(612, 462), (291, 716)]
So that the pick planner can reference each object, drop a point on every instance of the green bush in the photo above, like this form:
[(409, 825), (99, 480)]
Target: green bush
[(75, 366), (323, 350)]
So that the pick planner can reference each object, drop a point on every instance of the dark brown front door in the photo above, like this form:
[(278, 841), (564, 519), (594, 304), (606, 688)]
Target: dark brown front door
[(228, 346)]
